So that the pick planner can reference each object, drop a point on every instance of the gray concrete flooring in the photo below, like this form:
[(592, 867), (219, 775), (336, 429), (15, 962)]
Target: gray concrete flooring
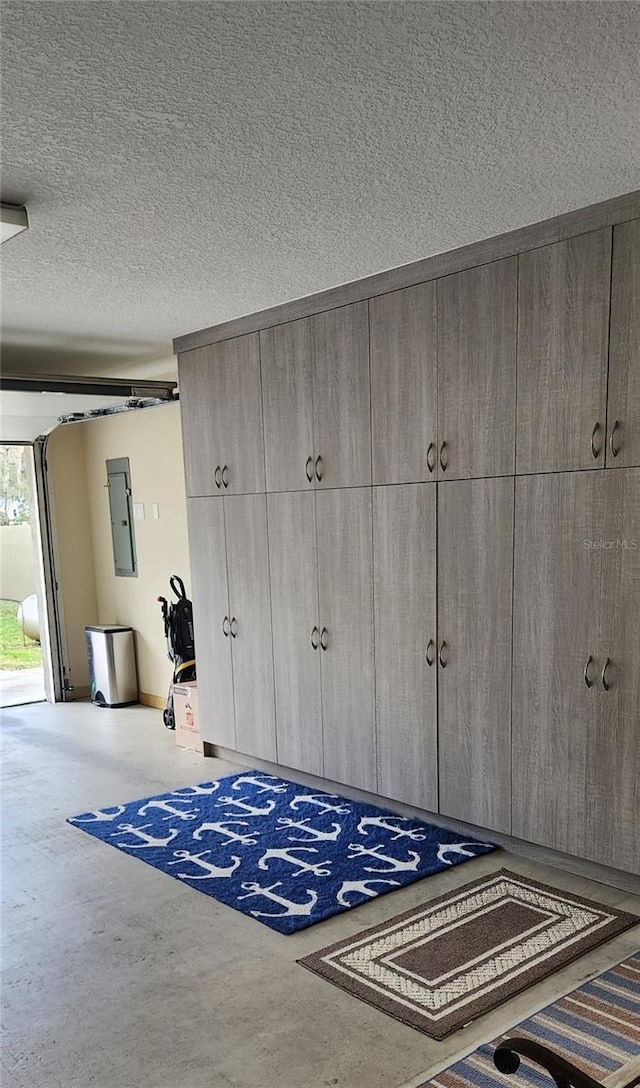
[(116, 976), (19, 686)]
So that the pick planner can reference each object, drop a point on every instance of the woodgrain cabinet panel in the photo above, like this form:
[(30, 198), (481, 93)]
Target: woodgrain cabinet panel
[(221, 411), (623, 409), (475, 553), (477, 321), (563, 324), (287, 393), (556, 630), (404, 384), (404, 555), (250, 607), (345, 583), (208, 554), (294, 601)]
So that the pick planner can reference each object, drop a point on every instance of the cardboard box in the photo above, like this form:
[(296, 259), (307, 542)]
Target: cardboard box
[(185, 708)]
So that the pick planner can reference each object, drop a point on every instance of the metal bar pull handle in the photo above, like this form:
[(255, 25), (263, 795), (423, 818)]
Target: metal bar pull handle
[(615, 450), (319, 468), (308, 469), (605, 683), (430, 652), (444, 460), (217, 475), (442, 656), (226, 627), (225, 476), (587, 679), (324, 639), (431, 456), (315, 638), (596, 450), (233, 627)]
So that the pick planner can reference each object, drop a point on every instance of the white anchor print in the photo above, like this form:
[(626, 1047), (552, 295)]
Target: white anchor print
[(317, 799), (284, 822), (193, 791), (212, 871), (413, 833), (139, 832), (247, 810), (221, 828), (260, 783), (252, 888), (166, 806), (456, 848), (361, 886), (395, 865), (100, 815), (289, 856)]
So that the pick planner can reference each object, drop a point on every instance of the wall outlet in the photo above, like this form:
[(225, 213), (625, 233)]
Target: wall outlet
[(138, 511), (155, 511)]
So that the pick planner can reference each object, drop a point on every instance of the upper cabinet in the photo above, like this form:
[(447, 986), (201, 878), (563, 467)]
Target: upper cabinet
[(623, 410), (316, 394), (221, 409), (563, 324), (403, 384), (477, 321)]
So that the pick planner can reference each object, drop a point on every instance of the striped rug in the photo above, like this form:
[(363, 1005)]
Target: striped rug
[(596, 1027)]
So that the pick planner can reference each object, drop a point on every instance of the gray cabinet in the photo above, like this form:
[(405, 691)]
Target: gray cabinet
[(403, 384), (286, 353), (208, 551), (404, 557), (477, 320), (623, 408), (221, 412), (295, 612), (475, 551), (563, 324), (345, 583)]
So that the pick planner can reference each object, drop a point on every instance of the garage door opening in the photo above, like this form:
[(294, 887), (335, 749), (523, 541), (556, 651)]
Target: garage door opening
[(22, 616)]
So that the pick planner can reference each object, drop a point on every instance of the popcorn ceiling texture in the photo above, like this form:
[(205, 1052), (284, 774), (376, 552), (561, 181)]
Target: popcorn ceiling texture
[(184, 163)]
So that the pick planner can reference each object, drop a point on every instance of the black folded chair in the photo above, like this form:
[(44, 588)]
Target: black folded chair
[(565, 1074)]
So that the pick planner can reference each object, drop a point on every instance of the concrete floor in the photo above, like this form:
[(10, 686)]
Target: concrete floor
[(18, 686), (116, 976)]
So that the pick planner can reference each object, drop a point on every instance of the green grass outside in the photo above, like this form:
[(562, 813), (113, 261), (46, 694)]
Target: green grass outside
[(16, 651)]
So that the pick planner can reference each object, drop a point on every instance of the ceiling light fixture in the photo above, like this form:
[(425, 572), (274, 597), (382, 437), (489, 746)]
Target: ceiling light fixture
[(14, 220)]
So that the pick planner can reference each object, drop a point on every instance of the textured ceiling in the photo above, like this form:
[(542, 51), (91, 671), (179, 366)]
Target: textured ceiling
[(184, 163)]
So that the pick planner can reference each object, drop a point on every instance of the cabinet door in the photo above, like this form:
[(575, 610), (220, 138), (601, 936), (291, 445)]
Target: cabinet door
[(404, 384), (345, 583), (250, 606), (341, 396), (475, 558), (477, 321), (611, 832), (404, 558), (208, 555), (287, 396), (563, 323), (557, 575), (221, 410), (294, 603), (623, 409)]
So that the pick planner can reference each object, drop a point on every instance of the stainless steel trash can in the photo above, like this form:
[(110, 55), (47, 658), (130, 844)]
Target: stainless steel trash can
[(112, 665)]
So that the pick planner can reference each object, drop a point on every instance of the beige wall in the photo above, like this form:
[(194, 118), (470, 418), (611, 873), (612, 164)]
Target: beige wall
[(18, 571), (152, 441)]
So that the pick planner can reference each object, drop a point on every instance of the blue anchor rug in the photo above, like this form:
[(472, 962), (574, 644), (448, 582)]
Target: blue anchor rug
[(280, 852)]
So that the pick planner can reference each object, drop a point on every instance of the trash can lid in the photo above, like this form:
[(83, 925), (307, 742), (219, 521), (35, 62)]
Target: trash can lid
[(108, 627)]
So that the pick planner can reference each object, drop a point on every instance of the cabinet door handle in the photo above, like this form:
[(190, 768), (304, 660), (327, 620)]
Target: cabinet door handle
[(315, 638), (226, 627), (605, 683), (587, 679), (218, 476), (233, 627), (430, 652), (308, 469), (324, 639), (225, 475), (615, 450), (319, 468), (596, 450), (442, 657), (443, 461), (431, 456)]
